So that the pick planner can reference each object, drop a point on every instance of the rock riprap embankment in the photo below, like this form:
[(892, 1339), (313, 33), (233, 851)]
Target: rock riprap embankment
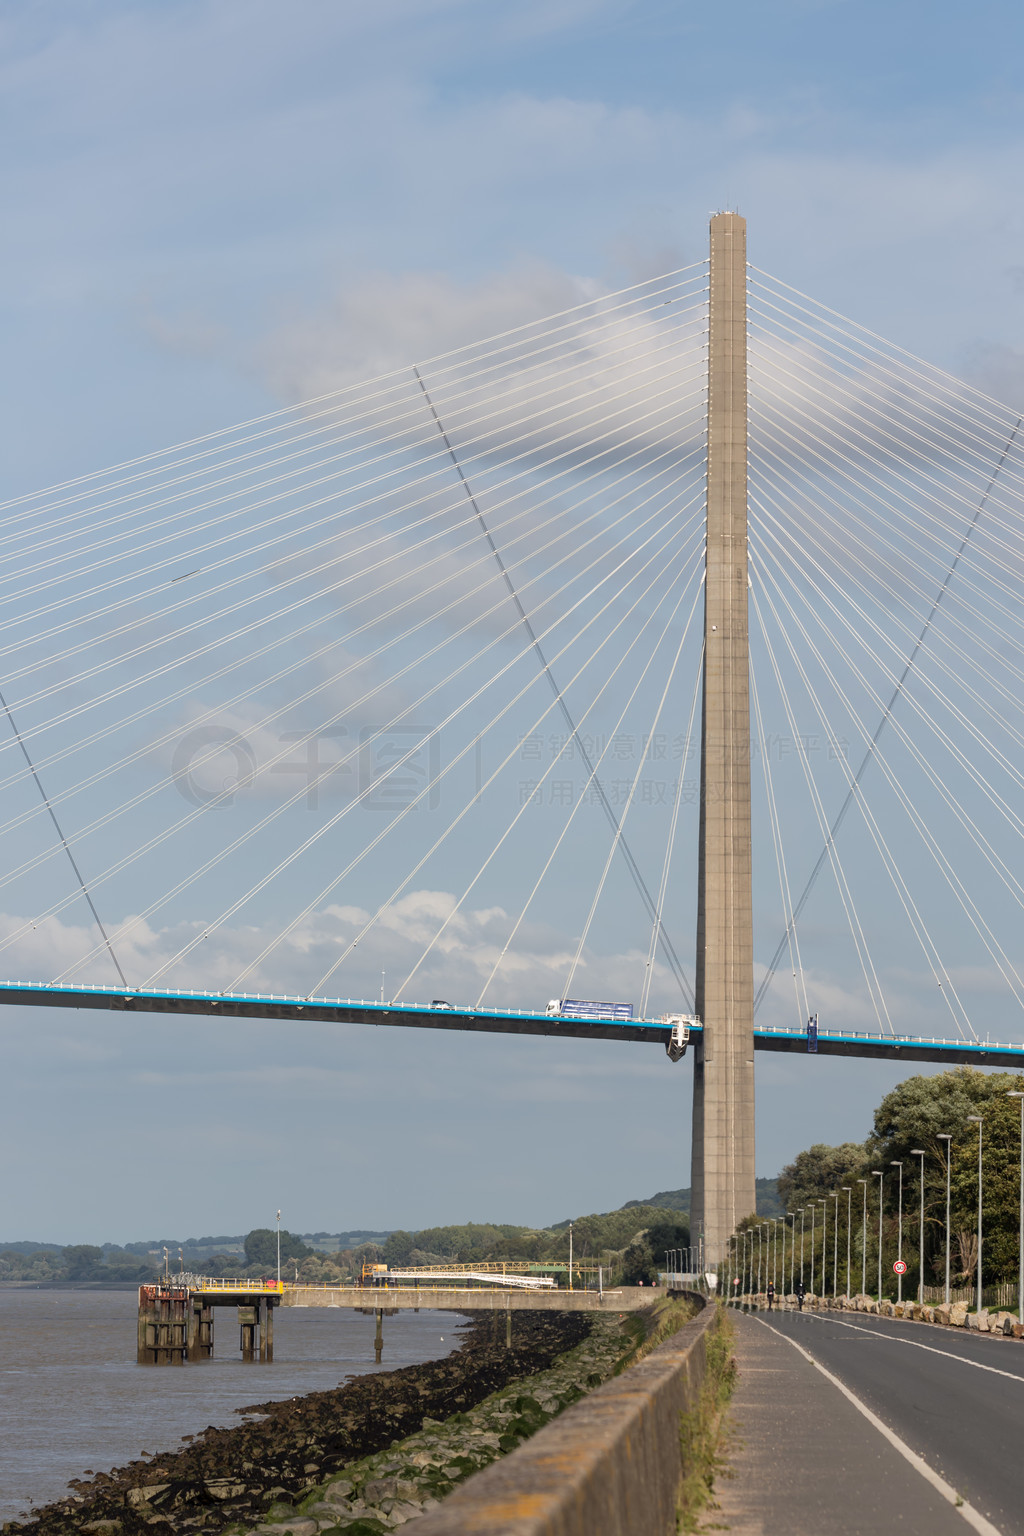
[(229, 1479), (384, 1491)]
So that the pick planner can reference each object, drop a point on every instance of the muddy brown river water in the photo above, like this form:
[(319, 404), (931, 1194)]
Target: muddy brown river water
[(72, 1398)]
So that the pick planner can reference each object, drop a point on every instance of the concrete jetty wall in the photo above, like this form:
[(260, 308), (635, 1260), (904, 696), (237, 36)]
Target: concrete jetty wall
[(626, 1298)]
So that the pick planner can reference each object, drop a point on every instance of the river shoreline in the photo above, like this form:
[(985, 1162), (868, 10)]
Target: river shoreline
[(229, 1477)]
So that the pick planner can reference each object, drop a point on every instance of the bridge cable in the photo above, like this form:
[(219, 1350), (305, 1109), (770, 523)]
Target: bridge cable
[(970, 908), (874, 539), (891, 865), (921, 365), (311, 906), (613, 821), (845, 894), (333, 394), (897, 691), (333, 820), (554, 380), (670, 844), (199, 759), (630, 801), (939, 970), (967, 495), (554, 765), (623, 406), (63, 840), (465, 629), (800, 550), (389, 725), (799, 980), (896, 395)]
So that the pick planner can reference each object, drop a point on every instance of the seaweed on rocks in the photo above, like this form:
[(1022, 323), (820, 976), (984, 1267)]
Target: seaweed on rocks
[(230, 1477)]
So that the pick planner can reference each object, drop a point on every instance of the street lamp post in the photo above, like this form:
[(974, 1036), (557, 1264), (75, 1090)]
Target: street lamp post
[(802, 1210), (824, 1247), (783, 1270), (899, 1252), (1020, 1238), (835, 1245), (758, 1259), (814, 1212), (848, 1192), (792, 1237), (864, 1242), (977, 1119), (279, 1250), (879, 1174), (946, 1136), (918, 1152)]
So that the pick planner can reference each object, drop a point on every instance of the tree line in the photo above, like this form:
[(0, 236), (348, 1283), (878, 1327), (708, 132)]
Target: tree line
[(913, 1118), (629, 1243)]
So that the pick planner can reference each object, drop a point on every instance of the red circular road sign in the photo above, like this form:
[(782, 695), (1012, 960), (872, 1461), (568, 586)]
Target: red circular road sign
[(900, 1267)]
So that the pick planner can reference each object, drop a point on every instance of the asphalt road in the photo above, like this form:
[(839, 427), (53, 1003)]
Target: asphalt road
[(955, 1398)]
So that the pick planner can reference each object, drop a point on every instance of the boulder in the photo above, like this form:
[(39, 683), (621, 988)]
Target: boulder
[(956, 1315), (944, 1315), (1018, 1330)]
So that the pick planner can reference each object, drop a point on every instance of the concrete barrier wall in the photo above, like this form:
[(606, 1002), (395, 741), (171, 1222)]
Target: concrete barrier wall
[(625, 1298), (609, 1466)]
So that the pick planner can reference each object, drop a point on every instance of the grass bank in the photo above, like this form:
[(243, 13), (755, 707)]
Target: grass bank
[(703, 1431)]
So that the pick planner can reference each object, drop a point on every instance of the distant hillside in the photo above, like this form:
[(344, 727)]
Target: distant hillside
[(768, 1202)]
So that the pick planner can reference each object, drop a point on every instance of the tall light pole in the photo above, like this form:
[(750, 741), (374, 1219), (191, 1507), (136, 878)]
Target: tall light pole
[(824, 1246), (835, 1245), (977, 1119), (864, 1242), (917, 1152), (279, 1250), (814, 1211), (848, 1192), (783, 1271), (792, 1241), (758, 1259), (879, 1174), (1020, 1238), (899, 1253), (803, 1208), (947, 1138)]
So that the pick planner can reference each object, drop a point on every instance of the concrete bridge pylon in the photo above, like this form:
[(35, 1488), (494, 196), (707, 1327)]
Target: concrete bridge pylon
[(722, 1169)]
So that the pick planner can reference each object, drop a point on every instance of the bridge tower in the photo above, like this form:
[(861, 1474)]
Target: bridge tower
[(723, 1075)]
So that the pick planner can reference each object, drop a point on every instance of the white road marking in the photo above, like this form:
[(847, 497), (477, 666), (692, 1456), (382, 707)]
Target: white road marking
[(947, 1354), (973, 1516)]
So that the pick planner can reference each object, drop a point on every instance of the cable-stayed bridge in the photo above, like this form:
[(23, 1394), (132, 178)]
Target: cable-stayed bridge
[(403, 693)]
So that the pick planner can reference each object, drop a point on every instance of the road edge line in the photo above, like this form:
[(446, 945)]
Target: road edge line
[(973, 1516)]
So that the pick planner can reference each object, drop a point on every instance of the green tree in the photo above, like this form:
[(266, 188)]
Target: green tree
[(398, 1248), (84, 1261), (913, 1115), (261, 1247), (814, 1174)]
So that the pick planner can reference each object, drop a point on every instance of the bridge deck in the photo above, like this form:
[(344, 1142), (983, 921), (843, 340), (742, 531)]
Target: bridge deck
[(895, 1048)]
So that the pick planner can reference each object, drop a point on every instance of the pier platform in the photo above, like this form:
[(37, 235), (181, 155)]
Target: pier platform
[(176, 1316)]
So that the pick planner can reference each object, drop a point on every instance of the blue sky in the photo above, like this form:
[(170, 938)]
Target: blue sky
[(203, 202)]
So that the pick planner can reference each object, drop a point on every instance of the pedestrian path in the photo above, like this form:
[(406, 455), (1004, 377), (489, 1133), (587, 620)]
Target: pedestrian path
[(803, 1460)]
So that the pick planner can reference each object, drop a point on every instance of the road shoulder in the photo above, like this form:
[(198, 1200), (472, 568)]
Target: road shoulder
[(802, 1459)]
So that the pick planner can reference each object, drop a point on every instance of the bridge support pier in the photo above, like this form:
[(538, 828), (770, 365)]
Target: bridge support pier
[(723, 1075)]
